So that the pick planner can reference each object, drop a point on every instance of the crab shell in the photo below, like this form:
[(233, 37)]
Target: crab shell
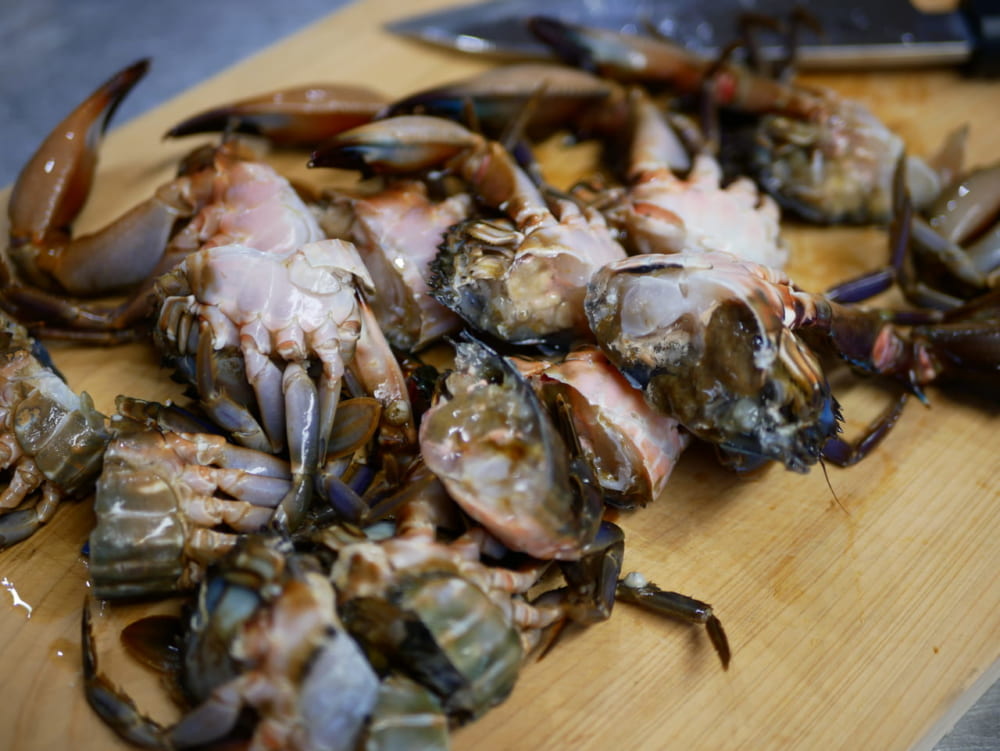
[(706, 336), (491, 442)]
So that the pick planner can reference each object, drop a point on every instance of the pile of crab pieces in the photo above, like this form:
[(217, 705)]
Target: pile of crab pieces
[(374, 548)]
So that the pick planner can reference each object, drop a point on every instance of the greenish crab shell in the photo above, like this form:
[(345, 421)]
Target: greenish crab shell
[(446, 633), (838, 168), (61, 431), (705, 336), (501, 457), (486, 272)]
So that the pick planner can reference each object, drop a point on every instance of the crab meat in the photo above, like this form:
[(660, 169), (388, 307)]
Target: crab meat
[(632, 446), (662, 213), (251, 204), (397, 232)]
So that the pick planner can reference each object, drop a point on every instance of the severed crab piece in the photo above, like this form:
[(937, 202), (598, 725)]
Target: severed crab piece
[(281, 313), (264, 644), (662, 213), (467, 625), (520, 278), (838, 165), (502, 459), (51, 439), (632, 447), (720, 344), (705, 335), (169, 504), (397, 231), (172, 500)]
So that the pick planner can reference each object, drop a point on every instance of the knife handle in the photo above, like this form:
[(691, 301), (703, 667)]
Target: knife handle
[(983, 20)]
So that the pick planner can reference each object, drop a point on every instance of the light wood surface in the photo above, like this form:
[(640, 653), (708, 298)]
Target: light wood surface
[(861, 622)]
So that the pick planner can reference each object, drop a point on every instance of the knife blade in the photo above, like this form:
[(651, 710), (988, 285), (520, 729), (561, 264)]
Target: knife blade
[(856, 34)]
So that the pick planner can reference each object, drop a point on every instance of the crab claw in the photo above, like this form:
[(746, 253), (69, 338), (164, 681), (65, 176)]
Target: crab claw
[(44, 265), (53, 186), (299, 116), (407, 143), (554, 96)]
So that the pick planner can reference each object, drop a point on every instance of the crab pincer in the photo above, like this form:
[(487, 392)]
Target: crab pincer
[(46, 272), (298, 116), (547, 96)]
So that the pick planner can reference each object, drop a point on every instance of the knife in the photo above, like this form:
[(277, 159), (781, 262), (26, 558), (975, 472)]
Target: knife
[(856, 34)]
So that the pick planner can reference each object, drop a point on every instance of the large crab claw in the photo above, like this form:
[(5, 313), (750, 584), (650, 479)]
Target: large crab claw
[(397, 145), (45, 265), (298, 116)]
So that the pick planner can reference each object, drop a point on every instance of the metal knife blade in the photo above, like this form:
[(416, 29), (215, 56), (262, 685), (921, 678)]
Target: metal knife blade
[(856, 34)]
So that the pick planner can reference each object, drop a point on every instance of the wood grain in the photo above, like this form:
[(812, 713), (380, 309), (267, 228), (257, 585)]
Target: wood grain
[(856, 622)]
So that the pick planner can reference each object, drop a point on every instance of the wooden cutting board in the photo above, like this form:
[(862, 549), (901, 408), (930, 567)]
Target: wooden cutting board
[(865, 621)]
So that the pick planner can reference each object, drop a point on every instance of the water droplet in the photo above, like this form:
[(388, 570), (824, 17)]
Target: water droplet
[(18, 602)]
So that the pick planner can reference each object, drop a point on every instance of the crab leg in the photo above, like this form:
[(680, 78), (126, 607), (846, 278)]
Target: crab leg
[(304, 440), (636, 589), (21, 524), (111, 703), (378, 370), (227, 411), (628, 57)]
